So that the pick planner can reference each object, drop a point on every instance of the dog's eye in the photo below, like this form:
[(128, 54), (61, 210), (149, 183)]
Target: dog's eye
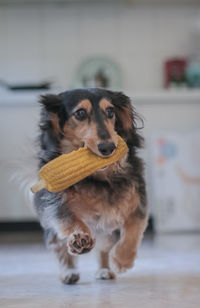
[(80, 114), (110, 112)]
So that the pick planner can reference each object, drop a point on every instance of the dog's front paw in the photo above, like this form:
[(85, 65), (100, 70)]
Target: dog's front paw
[(79, 243)]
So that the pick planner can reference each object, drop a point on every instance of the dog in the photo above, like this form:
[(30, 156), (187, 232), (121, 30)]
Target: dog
[(106, 210)]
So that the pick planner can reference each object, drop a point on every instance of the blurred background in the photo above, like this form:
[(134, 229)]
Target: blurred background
[(149, 49)]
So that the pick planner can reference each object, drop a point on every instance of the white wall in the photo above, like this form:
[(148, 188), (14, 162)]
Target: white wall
[(49, 41)]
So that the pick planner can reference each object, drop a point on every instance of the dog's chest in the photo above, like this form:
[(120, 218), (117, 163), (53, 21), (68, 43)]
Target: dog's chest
[(100, 210)]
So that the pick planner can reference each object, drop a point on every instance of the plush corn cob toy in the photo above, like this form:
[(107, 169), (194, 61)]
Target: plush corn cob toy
[(68, 169)]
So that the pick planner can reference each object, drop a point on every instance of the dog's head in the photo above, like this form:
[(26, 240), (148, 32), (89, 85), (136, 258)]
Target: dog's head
[(92, 118)]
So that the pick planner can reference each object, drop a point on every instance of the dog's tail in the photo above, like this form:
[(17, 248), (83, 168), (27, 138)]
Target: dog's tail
[(23, 170)]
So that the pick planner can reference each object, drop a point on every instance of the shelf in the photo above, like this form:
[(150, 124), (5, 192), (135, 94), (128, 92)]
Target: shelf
[(164, 96), (8, 98)]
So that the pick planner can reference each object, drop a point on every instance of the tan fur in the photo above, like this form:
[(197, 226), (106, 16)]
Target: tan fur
[(126, 118), (104, 103), (110, 128), (104, 271), (124, 253), (91, 138), (104, 262), (94, 209), (73, 141), (55, 123), (110, 124), (85, 104)]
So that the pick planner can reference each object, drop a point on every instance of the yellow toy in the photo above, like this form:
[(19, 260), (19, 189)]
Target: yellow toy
[(68, 169)]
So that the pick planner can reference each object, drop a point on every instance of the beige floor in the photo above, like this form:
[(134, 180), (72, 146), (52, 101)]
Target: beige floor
[(166, 274)]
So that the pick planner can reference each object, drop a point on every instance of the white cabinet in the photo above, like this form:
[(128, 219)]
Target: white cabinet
[(19, 115), (18, 127), (172, 112)]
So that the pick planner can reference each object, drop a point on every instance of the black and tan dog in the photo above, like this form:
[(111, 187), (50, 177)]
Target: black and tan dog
[(107, 209)]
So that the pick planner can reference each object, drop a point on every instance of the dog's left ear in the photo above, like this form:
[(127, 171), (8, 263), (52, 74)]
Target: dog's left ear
[(54, 110), (51, 102), (126, 118)]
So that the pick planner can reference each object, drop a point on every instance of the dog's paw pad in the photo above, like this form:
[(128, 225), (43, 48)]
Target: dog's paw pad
[(79, 243), (105, 274), (70, 277)]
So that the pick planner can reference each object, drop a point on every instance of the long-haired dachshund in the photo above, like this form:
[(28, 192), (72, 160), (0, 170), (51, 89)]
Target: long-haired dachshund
[(106, 210)]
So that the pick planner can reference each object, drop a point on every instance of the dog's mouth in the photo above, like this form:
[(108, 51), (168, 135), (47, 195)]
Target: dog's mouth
[(102, 169)]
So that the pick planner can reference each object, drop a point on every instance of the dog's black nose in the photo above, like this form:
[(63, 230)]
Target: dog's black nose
[(106, 148)]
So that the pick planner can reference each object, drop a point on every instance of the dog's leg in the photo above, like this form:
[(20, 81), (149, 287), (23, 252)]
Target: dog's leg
[(78, 236), (104, 271), (68, 271), (55, 214), (125, 251), (106, 245)]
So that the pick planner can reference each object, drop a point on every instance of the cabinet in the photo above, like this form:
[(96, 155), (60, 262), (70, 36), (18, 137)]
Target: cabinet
[(19, 115)]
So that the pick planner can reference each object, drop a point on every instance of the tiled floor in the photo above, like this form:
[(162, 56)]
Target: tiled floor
[(166, 274)]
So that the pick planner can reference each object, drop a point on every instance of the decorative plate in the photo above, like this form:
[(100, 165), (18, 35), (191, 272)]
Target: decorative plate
[(99, 72)]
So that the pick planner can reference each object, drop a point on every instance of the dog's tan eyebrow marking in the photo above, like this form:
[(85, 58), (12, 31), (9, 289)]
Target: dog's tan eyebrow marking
[(104, 103), (85, 104)]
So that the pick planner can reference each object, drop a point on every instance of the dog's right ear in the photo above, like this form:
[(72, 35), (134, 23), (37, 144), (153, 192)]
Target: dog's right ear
[(51, 102)]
